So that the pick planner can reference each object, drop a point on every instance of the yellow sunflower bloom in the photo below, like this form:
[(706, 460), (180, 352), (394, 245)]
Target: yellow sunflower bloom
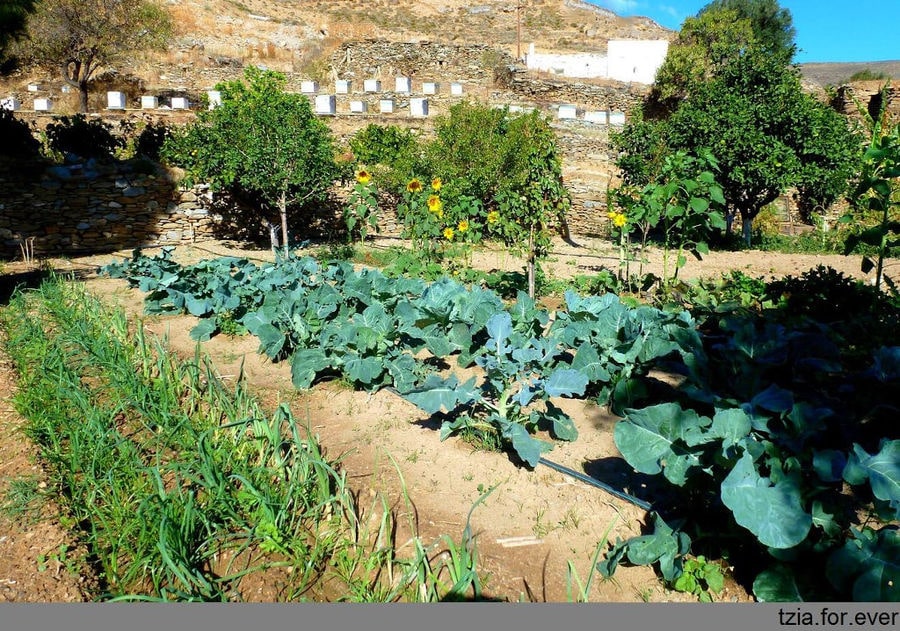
[(363, 176), (619, 220), (448, 234), (611, 215), (435, 204), (414, 186), (436, 184), (463, 225), (493, 217)]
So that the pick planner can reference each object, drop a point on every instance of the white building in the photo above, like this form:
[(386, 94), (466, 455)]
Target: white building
[(633, 61)]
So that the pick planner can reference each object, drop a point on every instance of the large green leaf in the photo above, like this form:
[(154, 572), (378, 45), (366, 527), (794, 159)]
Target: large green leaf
[(881, 469), (306, 364), (563, 426), (204, 329), (526, 446), (588, 361), (777, 584), (565, 382), (867, 568), (662, 437), (772, 512), (664, 544), (364, 370), (439, 393)]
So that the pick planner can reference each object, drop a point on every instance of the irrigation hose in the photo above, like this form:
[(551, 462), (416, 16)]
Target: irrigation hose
[(581, 477)]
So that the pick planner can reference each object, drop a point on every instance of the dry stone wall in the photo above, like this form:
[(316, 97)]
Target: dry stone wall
[(90, 207)]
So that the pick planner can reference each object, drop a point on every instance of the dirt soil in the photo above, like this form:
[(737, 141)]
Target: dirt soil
[(527, 529)]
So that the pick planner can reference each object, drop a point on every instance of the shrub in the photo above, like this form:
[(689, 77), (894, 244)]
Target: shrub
[(18, 136), (84, 138)]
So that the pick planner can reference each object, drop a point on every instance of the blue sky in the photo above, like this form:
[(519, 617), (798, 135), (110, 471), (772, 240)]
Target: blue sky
[(827, 30)]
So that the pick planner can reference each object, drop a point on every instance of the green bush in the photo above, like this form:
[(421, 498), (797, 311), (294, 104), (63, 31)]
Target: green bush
[(18, 137), (84, 138)]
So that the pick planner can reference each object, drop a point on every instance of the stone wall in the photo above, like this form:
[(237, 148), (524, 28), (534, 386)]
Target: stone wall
[(90, 207)]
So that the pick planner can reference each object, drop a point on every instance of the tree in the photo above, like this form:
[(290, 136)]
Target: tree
[(261, 142), (773, 26), (766, 133), (78, 37), (13, 18), (720, 32)]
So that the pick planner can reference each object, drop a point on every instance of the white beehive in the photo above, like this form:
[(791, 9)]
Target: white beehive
[(214, 97), (34, 87), (595, 116), (456, 88), (403, 85), (10, 103), (617, 118), (115, 100), (309, 87), (325, 104), (180, 103), (372, 85), (386, 106), (429, 88), (359, 107), (43, 105), (418, 107), (342, 86), (567, 112), (149, 102)]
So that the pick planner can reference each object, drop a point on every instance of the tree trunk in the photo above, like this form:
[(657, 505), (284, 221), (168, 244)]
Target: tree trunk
[(282, 209), (531, 270), (83, 97), (746, 227)]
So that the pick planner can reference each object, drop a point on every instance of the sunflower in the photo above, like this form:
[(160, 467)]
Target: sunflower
[(363, 176), (619, 220), (435, 205), (414, 186), (463, 225), (493, 217), (436, 184), (448, 234)]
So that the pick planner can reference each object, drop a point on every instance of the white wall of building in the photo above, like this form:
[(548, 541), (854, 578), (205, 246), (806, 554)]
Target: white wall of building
[(636, 60), (633, 61)]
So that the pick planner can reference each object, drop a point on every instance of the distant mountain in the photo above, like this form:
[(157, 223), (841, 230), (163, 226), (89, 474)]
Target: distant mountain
[(824, 74)]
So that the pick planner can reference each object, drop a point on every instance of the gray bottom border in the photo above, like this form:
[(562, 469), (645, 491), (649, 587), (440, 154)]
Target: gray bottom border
[(439, 617)]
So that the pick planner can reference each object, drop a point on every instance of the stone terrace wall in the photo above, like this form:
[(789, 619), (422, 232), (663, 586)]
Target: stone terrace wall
[(89, 207)]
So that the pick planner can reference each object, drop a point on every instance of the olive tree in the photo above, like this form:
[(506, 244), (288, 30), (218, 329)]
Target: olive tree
[(78, 37)]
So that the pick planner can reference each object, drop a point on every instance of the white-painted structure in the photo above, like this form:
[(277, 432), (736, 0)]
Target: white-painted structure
[(180, 103), (149, 102), (359, 107), (567, 112), (10, 103), (429, 88), (596, 117), (456, 88), (403, 85), (34, 87), (342, 86), (326, 104), (418, 107), (617, 118), (386, 106), (309, 87), (214, 97), (634, 61), (43, 105), (115, 100), (372, 85)]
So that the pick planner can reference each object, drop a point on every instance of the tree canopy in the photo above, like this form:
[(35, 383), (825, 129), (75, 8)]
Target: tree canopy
[(13, 18), (260, 141), (766, 133), (78, 37)]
